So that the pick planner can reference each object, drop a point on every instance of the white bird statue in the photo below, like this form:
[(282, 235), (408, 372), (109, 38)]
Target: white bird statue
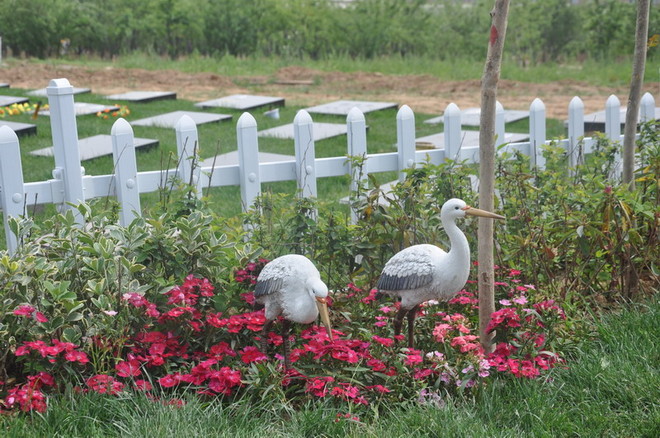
[(425, 272), (290, 286)]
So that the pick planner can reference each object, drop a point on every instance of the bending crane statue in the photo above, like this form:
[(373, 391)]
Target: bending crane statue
[(290, 286), (425, 272)]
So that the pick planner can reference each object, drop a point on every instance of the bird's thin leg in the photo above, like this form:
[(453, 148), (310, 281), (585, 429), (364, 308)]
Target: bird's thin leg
[(264, 335), (285, 337), (398, 321), (412, 313)]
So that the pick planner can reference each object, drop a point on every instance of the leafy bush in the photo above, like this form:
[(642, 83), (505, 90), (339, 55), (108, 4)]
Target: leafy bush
[(549, 31)]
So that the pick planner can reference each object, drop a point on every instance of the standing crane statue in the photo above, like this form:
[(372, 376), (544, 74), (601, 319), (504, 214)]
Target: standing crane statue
[(425, 272), (290, 286)]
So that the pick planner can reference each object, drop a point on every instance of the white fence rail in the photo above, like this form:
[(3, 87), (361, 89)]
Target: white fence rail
[(70, 185)]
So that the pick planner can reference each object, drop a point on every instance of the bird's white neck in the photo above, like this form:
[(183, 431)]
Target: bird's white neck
[(460, 250)]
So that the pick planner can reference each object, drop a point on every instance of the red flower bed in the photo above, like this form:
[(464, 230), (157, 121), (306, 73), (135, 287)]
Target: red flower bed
[(178, 340)]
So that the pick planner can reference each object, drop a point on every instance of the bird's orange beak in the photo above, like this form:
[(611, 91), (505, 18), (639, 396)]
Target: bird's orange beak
[(322, 304), (482, 213)]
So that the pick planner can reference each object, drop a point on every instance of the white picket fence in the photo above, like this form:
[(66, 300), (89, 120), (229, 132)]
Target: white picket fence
[(70, 185)]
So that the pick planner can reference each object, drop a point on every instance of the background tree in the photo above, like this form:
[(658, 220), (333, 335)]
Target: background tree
[(487, 139), (639, 63)]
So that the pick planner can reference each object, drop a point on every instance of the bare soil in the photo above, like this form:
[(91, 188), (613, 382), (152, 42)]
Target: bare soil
[(305, 87)]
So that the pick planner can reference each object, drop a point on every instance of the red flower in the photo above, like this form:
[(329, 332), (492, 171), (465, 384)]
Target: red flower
[(128, 368), (422, 373), (506, 317), (388, 342), (252, 354), (379, 388), (414, 357), (223, 380), (143, 385), (369, 298), (104, 384), (77, 356), (169, 380), (318, 386), (27, 397)]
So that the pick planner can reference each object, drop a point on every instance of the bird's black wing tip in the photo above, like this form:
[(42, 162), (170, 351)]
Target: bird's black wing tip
[(265, 287), (394, 282)]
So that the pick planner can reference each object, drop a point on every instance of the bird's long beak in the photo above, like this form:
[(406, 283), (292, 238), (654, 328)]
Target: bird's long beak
[(483, 213), (322, 304)]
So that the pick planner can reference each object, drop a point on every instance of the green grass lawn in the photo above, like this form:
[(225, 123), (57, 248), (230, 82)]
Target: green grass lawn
[(610, 387)]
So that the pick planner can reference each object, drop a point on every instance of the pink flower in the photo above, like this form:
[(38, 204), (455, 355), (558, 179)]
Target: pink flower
[(24, 310), (466, 343), (522, 300)]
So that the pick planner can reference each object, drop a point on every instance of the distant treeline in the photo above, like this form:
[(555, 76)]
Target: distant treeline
[(538, 30)]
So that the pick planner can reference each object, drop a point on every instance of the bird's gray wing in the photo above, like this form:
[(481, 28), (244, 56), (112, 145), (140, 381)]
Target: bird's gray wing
[(267, 286), (406, 270)]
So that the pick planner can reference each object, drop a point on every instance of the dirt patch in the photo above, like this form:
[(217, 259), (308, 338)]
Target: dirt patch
[(305, 87)]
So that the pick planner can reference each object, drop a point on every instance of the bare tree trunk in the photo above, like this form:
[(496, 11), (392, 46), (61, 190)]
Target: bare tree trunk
[(487, 140), (639, 63)]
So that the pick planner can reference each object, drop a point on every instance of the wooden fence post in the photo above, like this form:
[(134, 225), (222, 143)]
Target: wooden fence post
[(575, 133), (303, 131), (125, 165), (613, 132), (452, 119), (248, 159), (11, 183), (187, 145), (647, 108), (356, 130), (537, 133), (65, 144), (405, 139)]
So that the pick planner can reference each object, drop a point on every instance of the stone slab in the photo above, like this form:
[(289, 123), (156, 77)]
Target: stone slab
[(242, 102), (342, 107), (143, 96), (20, 129), (470, 138), (10, 100), (321, 131), (169, 120), (231, 158), (96, 146), (85, 109), (596, 121), (42, 92), (470, 117)]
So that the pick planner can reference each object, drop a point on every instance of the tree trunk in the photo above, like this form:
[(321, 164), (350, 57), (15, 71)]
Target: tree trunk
[(636, 82), (487, 140)]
